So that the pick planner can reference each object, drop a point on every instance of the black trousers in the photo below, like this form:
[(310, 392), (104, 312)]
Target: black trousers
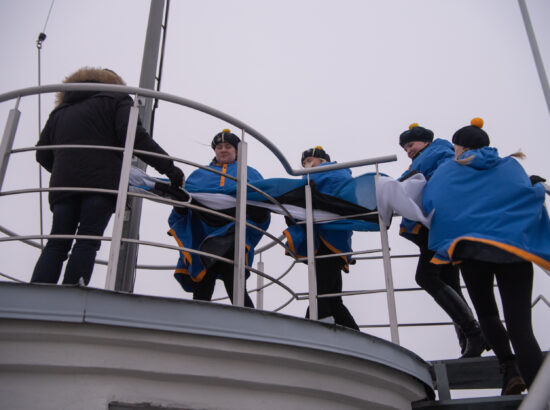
[(85, 214), (205, 288), (515, 285), (432, 278), (329, 280)]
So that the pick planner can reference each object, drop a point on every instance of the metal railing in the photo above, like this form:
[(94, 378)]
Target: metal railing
[(6, 150)]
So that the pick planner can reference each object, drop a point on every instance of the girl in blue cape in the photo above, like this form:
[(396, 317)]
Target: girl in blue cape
[(213, 234), (489, 215), (442, 282), (327, 241)]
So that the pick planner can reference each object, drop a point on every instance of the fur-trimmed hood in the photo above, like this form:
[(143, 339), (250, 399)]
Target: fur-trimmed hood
[(90, 75)]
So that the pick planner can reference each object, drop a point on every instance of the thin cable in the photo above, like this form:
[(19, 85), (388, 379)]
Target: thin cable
[(47, 18)]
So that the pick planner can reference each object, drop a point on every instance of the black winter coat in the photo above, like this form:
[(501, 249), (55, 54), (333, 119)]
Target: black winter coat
[(92, 118)]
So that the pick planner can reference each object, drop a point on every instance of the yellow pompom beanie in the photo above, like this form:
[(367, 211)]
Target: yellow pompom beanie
[(416, 133), (316, 152), (472, 136)]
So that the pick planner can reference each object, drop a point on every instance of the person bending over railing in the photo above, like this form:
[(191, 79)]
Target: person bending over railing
[(488, 214), (442, 282), (87, 118), (213, 234), (328, 270)]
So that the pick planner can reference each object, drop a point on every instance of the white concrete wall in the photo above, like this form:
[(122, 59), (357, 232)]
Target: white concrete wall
[(54, 366)]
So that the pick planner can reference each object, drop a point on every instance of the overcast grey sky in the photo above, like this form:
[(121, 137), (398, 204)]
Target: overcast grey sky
[(347, 75)]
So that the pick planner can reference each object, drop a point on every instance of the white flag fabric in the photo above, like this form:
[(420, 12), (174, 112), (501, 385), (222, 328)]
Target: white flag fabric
[(404, 198)]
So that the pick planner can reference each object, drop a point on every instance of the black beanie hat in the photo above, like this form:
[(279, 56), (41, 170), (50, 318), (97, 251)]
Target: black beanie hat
[(472, 136), (317, 152), (226, 136), (416, 133)]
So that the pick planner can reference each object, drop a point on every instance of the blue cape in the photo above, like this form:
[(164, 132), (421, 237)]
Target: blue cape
[(336, 192), (492, 201), (336, 236), (431, 157), (331, 193), (426, 163), (190, 230)]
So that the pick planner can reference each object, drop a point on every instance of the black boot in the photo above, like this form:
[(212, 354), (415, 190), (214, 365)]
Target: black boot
[(512, 382), (475, 342), (460, 313), (461, 338)]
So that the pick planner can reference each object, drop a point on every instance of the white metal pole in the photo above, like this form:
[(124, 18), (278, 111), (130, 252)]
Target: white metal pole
[(390, 295), (7, 140), (120, 212), (240, 227), (311, 274), (539, 393)]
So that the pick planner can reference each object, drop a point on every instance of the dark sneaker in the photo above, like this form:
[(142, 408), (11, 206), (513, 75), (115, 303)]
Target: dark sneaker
[(512, 382)]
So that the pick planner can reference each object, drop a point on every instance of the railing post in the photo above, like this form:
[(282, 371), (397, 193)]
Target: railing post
[(240, 226), (120, 213), (311, 274), (7, 140), (260, 285), (390, 295), (539, 393), (442, 381)]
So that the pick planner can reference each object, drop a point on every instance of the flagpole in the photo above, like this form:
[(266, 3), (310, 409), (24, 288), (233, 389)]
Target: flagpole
[(535, 50)]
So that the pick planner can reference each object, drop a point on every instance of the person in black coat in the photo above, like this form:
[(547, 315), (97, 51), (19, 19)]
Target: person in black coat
[(87, 118)]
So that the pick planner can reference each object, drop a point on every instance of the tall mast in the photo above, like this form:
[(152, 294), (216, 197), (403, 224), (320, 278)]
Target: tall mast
[(536, 53), (126, 269)]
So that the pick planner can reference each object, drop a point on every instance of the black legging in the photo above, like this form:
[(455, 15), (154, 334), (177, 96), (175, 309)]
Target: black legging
[(431, 277), (515, 284), (329, 280), (205, 288)]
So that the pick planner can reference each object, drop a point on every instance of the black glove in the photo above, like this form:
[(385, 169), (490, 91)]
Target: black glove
[(176, 176), (535, 178), (173, 193), (408, 175)]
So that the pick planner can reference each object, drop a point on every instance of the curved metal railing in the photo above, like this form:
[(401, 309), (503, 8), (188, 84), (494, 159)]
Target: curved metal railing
[(240, 219), (122, 194), (143, 92)]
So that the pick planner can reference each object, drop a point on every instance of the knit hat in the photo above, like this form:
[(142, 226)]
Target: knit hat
[(416, 133), (226, 136), (472, 136), (317, 152)]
